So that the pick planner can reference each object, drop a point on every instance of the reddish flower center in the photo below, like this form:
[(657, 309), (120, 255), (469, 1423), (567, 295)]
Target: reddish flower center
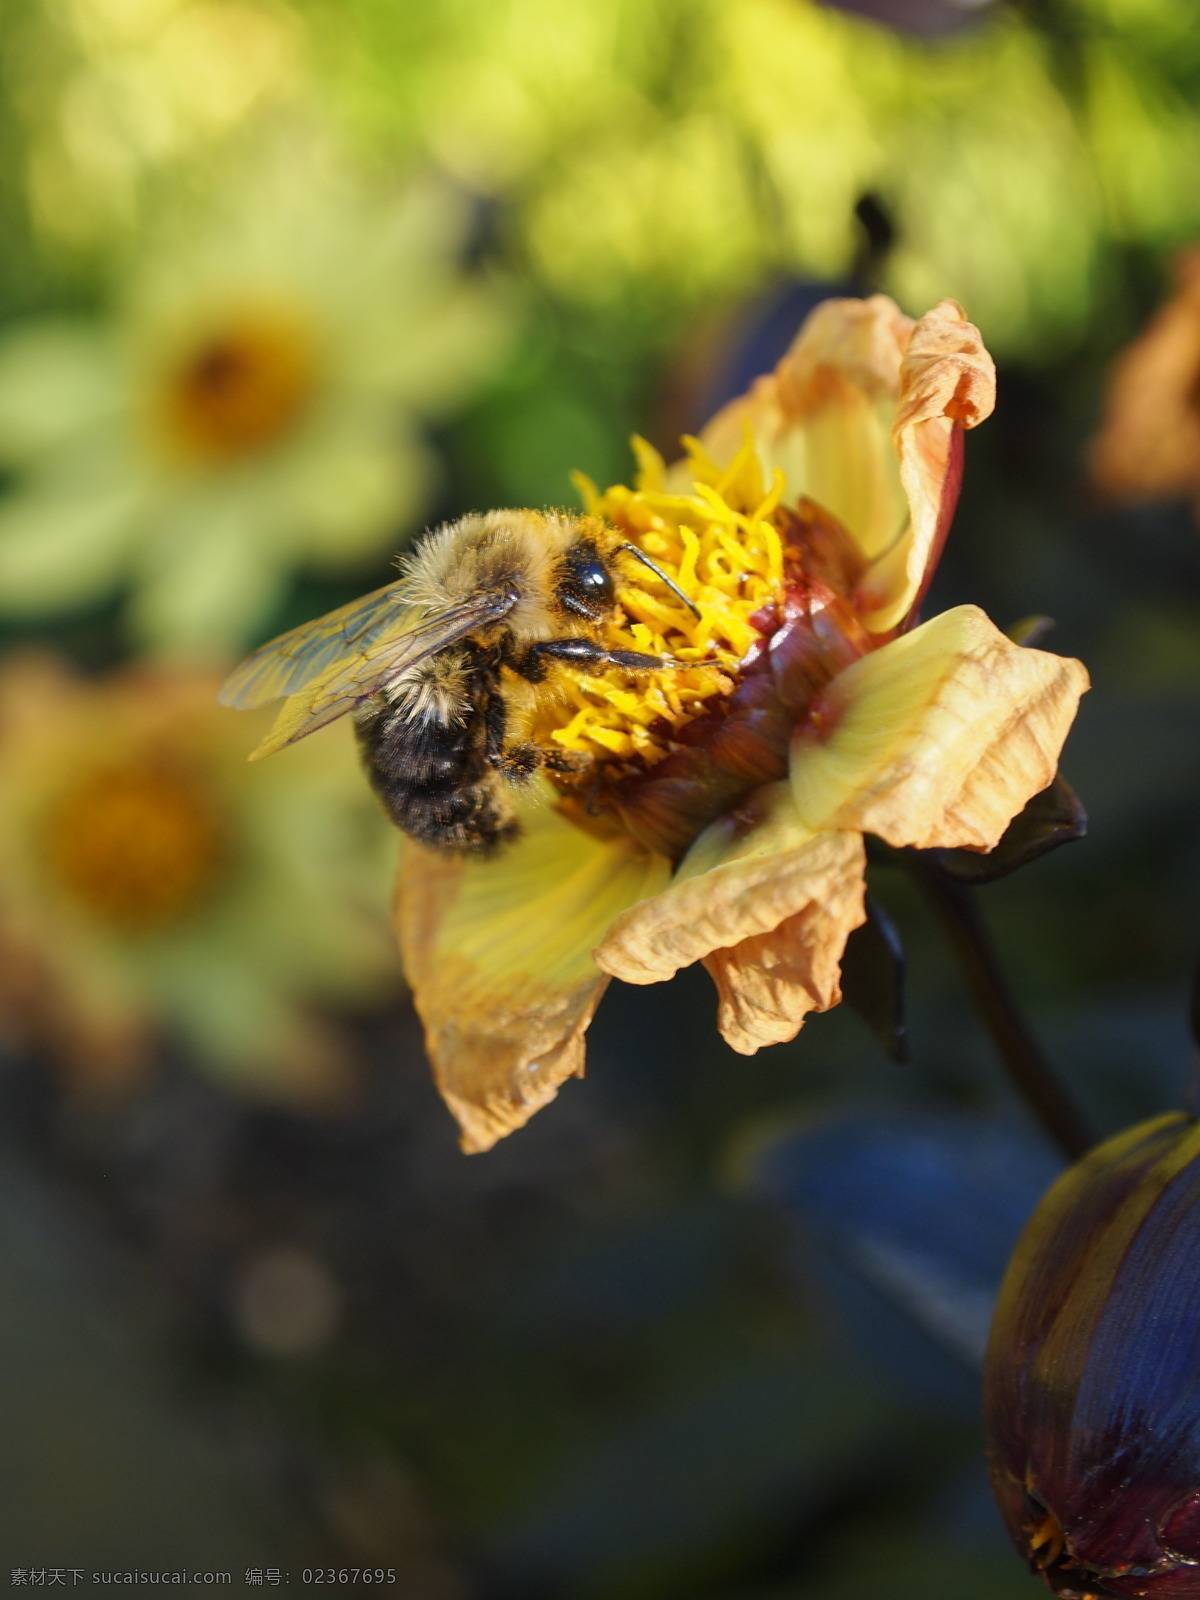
[(760, 620)]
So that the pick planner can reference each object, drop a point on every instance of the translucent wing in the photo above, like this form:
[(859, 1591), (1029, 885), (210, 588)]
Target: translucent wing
[(385, 646), (294, 659)]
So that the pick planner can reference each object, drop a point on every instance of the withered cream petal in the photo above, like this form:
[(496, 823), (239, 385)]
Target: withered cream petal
[(747, 873), (938, 738), (768, 983), (865, 414), (860, 341), (947, 383), (498, 953), (825, 417)]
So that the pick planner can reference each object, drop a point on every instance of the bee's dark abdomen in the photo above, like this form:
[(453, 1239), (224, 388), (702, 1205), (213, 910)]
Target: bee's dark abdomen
[(435, 779)]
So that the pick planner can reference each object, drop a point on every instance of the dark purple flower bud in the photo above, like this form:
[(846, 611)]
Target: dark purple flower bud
[(1092, 1389)]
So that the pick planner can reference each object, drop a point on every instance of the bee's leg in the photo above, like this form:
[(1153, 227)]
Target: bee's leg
[(533, 662), (567, 760), (521, 762), (591, 802), (495, 722)]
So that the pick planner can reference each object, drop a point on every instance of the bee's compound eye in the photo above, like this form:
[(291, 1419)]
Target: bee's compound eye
[(593, 578), (586, 582)]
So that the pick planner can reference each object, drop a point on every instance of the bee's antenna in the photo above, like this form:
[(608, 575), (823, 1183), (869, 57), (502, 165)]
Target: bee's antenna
[(659, 573)]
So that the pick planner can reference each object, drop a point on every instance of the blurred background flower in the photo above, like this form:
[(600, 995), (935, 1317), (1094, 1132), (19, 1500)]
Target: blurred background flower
[(1148, 445), (149, 884), (254, 408), (285, 280)]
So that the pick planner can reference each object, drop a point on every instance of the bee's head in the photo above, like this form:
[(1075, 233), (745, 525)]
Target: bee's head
[(584, 584)]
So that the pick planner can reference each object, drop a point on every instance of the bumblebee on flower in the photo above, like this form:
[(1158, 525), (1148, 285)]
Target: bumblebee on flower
[(745, 693)]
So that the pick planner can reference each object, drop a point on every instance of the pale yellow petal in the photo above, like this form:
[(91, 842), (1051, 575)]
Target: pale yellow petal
[(498, 953), (825, 417), (58, 382), (747, 874), (62, 545), (205, 585), (768, 983), (939, 738), (947, 383)]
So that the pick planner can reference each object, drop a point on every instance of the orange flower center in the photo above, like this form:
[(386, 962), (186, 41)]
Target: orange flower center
[(241, 388), (139, 846)]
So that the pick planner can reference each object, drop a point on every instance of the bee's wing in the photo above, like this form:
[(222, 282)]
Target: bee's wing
[(383, 652), (294, 659)]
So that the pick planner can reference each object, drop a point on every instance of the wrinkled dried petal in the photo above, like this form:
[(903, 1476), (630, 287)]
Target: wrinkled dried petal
[(938, 738), (947, 383), (825, 417), (864, 414), (857, 342), (768, 983), (746, 874), (498, 953)]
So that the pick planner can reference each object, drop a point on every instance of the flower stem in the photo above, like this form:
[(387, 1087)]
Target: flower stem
[(1028, 1067)]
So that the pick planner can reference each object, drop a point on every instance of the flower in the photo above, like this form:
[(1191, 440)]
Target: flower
[(1148, 445), (149, 887), (255, 408), (1090, 1391), (722, 818)]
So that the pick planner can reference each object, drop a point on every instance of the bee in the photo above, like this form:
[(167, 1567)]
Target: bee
[(439, 668)]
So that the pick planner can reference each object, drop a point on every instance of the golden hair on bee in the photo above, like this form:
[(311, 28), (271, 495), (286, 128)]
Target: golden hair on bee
[(518, 552)]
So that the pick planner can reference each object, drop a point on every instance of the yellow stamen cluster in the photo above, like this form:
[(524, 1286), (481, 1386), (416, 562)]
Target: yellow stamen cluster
[(137, 846), (718, 541)]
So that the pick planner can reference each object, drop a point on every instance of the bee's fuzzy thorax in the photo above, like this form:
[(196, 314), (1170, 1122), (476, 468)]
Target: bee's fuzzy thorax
[(517, 551)]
